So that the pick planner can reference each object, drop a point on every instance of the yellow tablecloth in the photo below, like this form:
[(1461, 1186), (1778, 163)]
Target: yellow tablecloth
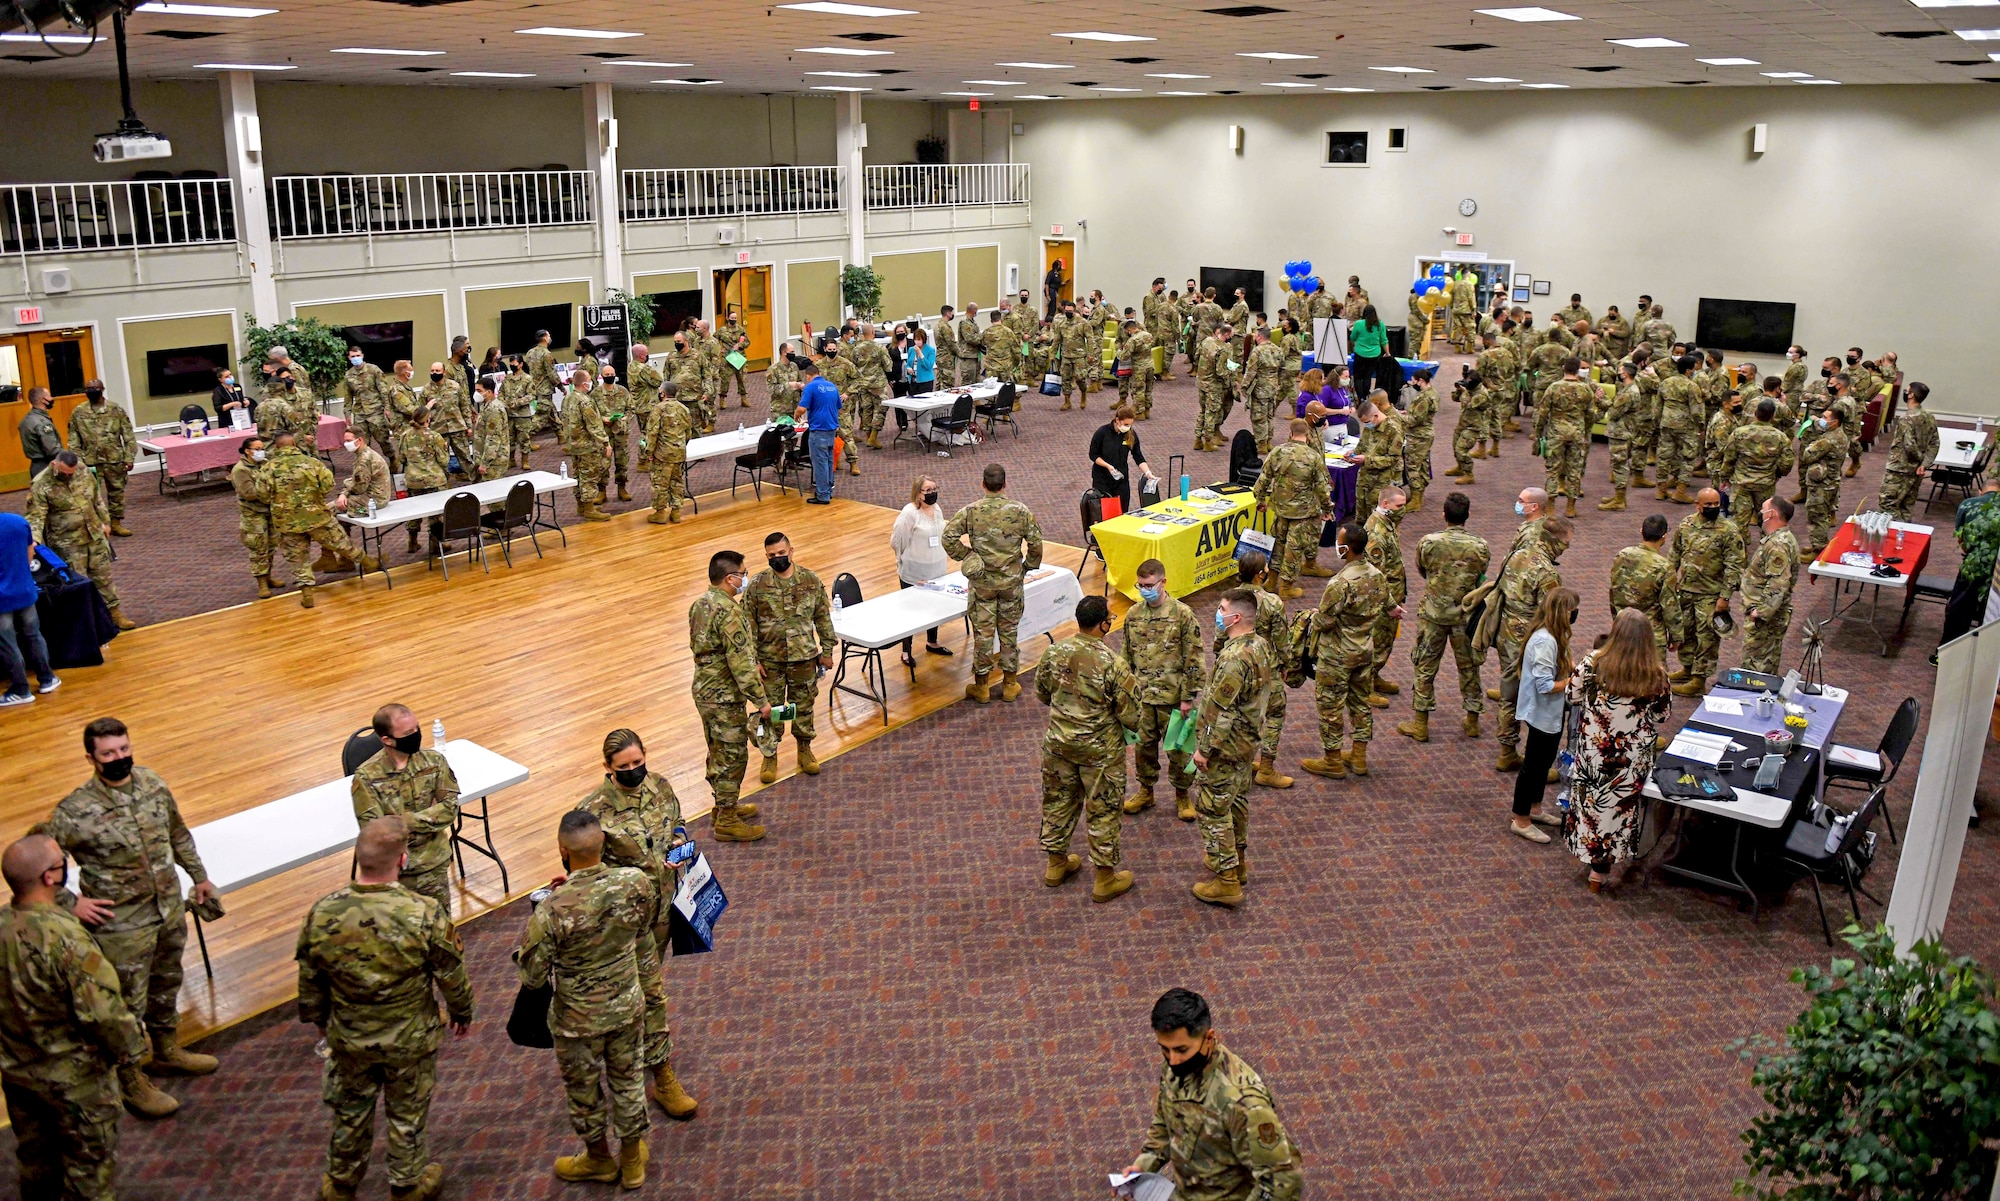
[(1195, 555)]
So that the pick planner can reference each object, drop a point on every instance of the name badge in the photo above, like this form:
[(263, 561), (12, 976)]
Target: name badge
[(937, 543)]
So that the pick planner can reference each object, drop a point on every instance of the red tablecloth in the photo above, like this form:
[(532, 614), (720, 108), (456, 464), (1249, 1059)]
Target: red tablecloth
[(1914, 553), (220, 450)]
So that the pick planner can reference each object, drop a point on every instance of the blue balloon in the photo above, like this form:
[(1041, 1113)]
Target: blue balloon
[(1437, 271), (1305, 267), (1313, 284), (1291, 268)]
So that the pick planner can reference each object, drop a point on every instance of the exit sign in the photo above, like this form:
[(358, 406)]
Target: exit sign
[(1056, 230), (1465, 239), (27, 314), (742, 256)]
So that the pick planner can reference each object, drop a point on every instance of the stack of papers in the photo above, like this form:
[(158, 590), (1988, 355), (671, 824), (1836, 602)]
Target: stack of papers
[(1848, 756), (1153, 527), (1700, 746), (1723, 705), (1142, 1186)]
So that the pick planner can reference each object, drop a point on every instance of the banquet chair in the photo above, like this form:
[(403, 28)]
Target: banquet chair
[(1888, 757), (1805, 849)]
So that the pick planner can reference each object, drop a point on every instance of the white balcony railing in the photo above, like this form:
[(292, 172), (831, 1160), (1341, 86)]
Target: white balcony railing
[(52, 218), (336, 206), (939, 185), (699, 192)]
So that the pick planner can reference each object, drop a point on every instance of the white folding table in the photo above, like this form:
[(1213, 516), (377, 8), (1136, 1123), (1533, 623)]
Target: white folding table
[(430, 505), (731, 443), (922, 406), (1958, 448)]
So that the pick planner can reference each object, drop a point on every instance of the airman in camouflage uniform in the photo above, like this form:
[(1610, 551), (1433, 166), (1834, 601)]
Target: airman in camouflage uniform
[(1757, 455), (971, 344), (642, 387), (452, 414), (1228, 728), (665, 451), (425, 457), (1380, 455), (68, 514), (1262, 377), (1911, 450), (101, 433), (996, 542), (372, 958), (782, 379), (1707, 564), (1498, 371), (253, 511), (1819, 466), (401, 404), (360, 392), (1093, 708), (1217, 1127), (522, 416), (1162, 646), (1345, 671), (1295, 487), (1680, 434), (492, 435), (1794, 382), (418, 786), (1162, 318), (65, 1032), (839, 370), (588, 445), (690, 382), (1385, 554), (734, 339), (1562, 418), (300, 517), (871, 386), (1136, 351), (540, 365), (1419, 433), (944, 341), (1529, 574), (1237, 318), (792, 626), (614, 404), (370, 479), (1075, 346), (1620, 427), (1767, 591), (725, 679), (1000, 344), (1616, 332), (1452, 562), (1639, 576), (585, 938), (1213, 388), (1658, 331)]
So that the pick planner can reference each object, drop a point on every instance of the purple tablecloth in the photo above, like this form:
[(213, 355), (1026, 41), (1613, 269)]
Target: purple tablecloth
[(1822, 715), (1342, 479)]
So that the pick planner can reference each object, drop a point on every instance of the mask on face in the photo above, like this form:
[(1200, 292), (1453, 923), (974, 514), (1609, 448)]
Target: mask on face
[(744, 586), (1150, 595), (410, 743), (1826, 373), (349, 444), (1820, 422), (228, 381), (1710, 512), (1520, 510), (781, 563), (258, 455), (1339, 552), (64, 882), (1853, 359), (1193, 1065), (354, 360), (437, 377), (116, 770), (95, 394), (630, 777), (930, 498)]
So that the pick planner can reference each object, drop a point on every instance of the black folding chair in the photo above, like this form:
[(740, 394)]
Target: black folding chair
[(1805, 849), (1245, 465), (516, 512), (461, 519), (1935, 589), (1090, 511), (1966, 480), (1888, 758), (847, 590), (945, 427), (1000, 411), (769, 455), (360, 747)]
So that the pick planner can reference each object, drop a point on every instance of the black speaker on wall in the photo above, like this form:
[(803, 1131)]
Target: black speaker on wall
[(1348, 149)]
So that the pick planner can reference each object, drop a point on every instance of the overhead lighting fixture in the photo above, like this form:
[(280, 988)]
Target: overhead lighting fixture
[(385, 50), (1955, 3), (644, 62), (559, 31), (1527, 15), (850, 10), (1273, 55), (1287, 85), (1742, 62), (1405, 70), (996, 83), (1180, 93), (1492, 79), (830, 87), (1349, 90), (689, 83), (1545, 86), (1646, 43), (1786, 74), (1832, 82), (245, 67), (54, 39), (850, 51), (1104, 88), (1995, 56), (1979, 35), (1096, 36), (965, 93), (828, 74), (1066, 66), (1038, 97), (1173, 75), (203, 10), (495, 74)]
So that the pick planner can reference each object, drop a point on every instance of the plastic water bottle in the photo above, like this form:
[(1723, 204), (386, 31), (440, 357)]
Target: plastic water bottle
[(565, 468), (437, 732), (739, 427), (371, 506), (1836, 832), (836, 604)]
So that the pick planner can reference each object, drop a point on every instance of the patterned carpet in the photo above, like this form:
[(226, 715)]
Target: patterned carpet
[(899, 1009)]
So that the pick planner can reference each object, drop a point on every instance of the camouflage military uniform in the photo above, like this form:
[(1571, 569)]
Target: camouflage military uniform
[(971, 344), (372, 958), (1660, 332), (1295, 487), (1136, 352), (1620, 427), (586, 937), (1644, 425), (783, 381), (996, 541), (360, 393), (1092, 704), (425, 457), (614, 404), (1162, 646), (1344, 676), (400, 405), (540, 365), (1706, 561), (1767, 592), (370, 480), (518, 396), (1229, 724), (1497, 369), (101, 433), (70, 517), (1000, 343), (872, 366), (425, 795), (1911, 450), (1213, 388), (1794, 382), (1680, 431), (667, 434), (1452, 562), (299, 516), (492, 441), (1545, 365), (64, 1030), (1237, 318), (642, 392), (792, 625), (1563, 414), (1219, 1131), (1419, 432), (588, 445), (126, 841), (840, 371), (725, 680), (1276, 632), (1381, 452), (253, 513), (691, 388), (1262, 377), (1461, 318), (1718, 448), (1758, 454), (1639, 576), (734, 339), (1385, 554), (1077, 356), (1529, 574), (1617, 335), (452, 417), (640, 826), (1819, 465)]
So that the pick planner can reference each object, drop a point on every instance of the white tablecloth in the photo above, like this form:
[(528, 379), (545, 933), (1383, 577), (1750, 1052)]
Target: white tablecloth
[(431, 504), (1049, 600)]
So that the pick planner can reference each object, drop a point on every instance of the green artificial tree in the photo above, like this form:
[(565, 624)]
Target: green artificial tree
[(320, 349), (639, 312), (861, 291)]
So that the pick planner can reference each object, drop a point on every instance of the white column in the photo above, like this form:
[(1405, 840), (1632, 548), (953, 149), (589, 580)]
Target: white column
[(600, 150), (850, 138), (243, 145)]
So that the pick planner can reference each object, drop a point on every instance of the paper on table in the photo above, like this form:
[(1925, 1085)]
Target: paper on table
[(1142, 1186), (1152, 527), (1698, 746), (1849, 756), (1723, 704)]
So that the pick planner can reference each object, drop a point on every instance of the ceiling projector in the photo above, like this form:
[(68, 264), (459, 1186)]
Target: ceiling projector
[(126, 145)]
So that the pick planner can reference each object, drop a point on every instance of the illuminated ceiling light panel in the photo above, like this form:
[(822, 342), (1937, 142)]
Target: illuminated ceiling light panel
[(1405, 70), (1979, 35), (1527, 14), (1273, 55), (1492, 79), (642, 62), (831, 87), (965, 93), (204, 10), (559, 31), (689, 83), (1350, 90), (1832, 82), (1064, 66), (1646, 43), (1180, 93), (54, 39), (996, 83), (850, 10), (1786, 74), (1549, 87), (1287, 85), (1103, 88), (1955, 3), (1742, 62), (825, 74), (385, 50), (1096, 36), (1174, 75), (850, 51), (494, 74), (245, 67)]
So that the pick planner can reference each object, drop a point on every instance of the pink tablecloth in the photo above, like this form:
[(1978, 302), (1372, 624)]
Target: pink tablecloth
[(220, 450)]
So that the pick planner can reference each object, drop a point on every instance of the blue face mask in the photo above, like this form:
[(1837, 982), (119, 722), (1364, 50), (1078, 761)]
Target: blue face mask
[(1221, 622), (1520, 510), (1149, 595)]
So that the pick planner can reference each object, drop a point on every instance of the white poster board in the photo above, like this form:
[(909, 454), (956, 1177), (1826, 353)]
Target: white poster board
[(1330, 333)]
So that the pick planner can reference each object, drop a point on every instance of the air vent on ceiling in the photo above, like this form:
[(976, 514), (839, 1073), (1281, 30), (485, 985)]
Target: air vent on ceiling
[(1467, 47), (868, 37), (1689, 83), (1988, 79), (29, 58), (421, 70), (605, 54), (697, 79), (182, 35), (1083, 83), (888, 71), (1600, 70), (1135, 61), (898, 89), (1244, 10), (1437, 87), (1315, 75), (1911, 35), (1963, 62), (1228, 92), (421, 3)]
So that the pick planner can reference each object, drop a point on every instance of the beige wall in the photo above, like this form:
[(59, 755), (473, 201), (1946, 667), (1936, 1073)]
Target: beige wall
[(424, 312), (812, 293), (978, 280), (912, 282), (1608, 193), (51, 125), (666, 281), (140, 337), (483, 307)]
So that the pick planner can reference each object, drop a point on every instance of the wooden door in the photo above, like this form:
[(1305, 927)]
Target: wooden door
[(1053, 249), (59, 360), (754, 283)]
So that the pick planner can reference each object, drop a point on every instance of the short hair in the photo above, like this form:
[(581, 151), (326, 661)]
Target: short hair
[(1783, 506), (1572, 365), (773, 538), (1252, 564), (1559, 526), (1772, 383), (103, 727), (619, 739), (541, 335), (1357, 536), (1397, 489), (285, 438), (68, 458), (1300, 427), (722, 564), (1151, 569), (277, 352), (1654, 527), (17, 863), (1422, 375), (485, 383), (1457, 507), (1180, 1009), (1091, 612), (947, 310), (994, 477), (580, 830), (1919, 391), (1575, 297), (1766, 409), (807, 368), (380, 843), (384, 720)]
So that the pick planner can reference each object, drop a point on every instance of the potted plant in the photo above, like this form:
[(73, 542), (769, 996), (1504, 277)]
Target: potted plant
[(861, 291), (932, 149), (320, 349)]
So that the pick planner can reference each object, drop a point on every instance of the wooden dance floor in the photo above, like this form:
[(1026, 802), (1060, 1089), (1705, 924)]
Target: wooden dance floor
[(246, 705)]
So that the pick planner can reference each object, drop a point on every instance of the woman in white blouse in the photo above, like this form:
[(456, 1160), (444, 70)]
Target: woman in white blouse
[(918, 540)]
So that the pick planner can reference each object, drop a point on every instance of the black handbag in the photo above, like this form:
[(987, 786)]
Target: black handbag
[(528, 1024)]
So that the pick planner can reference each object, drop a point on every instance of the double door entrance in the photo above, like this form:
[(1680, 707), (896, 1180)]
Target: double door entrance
[(57, 359)]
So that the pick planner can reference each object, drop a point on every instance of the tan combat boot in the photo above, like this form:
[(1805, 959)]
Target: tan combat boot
[(599, 1169), (977, 689), (1066, 406), (1242, 865), (853, 466), (808, 762), (1267, 774), (658, 517), (1183, 805), (429, 1184), (142, 1100), (1471, 727), (1357, 759), (1660, 493), (1569, 506), (1680, 495), (1692, 686), (1418, 727), (1061, 868), (1377, 701), (1333, 766), (305, 596), (263, 587), (592, 513), (768, 772), (1311, 567), (1010, 686), (370, 563), (672, 1097), (1220, 890), (1290, 591), (118, 529), (1384, 686), (1111, 883), (728, 826), (333, 1190), (121, 621), (1639, 479), (1614, 503), (873, 442), (632, 1163), (170, 1059), (1466, 477), (1510, 758), (623, 494), (1139, 801)]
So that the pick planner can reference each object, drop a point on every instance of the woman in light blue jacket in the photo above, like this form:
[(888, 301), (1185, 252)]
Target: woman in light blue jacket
[(1545, 673), (920, 362)]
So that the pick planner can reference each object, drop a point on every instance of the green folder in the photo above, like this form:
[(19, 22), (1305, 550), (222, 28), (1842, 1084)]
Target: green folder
[(735, 359)]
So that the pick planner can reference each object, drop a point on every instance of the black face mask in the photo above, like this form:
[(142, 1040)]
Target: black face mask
[(116, 770), (1193, 1065), (630, 777), (930, 498), (1853, 359), (1710, 512), (437, 377), (408, 744), (1826, 373), (781, 563), (95, 394)]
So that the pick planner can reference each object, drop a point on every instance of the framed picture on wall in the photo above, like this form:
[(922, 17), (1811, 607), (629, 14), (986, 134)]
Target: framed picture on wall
[(1522, 279), (1541, 287), (1521, 296)]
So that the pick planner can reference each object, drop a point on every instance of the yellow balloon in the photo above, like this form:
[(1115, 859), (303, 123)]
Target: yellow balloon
[(1285, 285), (1446, 290), (1427, 303)]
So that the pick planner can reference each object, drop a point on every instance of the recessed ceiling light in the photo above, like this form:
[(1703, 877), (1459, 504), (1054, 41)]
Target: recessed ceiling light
[(1545, 86), (1180, 93), (1038, 97), (689, 83), (1273, 55), (1405, 70), (1492, 79), (495, 74), (1995, 56), (559, 31), (1979, 35), (1095, 36), (1786, 74), (245, 67), (828, 74), (646, 62), (996, 83), (204, 10), (1955, 3), (1834, 82), (1350, 89), (1173, 75), (1646, 43), (1287, 85), (850, 10), (1104, 88), (832, 87), (1742, 62), (54, 39), (1527, 14), (851, 51), (965, 93), (1066, 66), (385, 50)]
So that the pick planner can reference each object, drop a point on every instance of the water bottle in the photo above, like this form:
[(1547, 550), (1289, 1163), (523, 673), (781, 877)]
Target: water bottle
[(739, 427), (371, 506), (1185, 484), (836, 603), (565, 468), (1836, 832), (437, 732)]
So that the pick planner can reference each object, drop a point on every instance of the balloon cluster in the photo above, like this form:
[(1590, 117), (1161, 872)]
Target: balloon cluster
[(1433, 290), (1299, 277)]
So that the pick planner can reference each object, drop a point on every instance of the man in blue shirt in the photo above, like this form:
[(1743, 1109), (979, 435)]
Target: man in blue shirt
[(819, 408), (20, 630)]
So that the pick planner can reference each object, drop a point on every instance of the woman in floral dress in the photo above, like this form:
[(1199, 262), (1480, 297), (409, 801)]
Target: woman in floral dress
[(1619, 697)]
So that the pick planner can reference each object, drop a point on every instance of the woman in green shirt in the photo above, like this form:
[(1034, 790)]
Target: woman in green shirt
[(1373, 365)]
